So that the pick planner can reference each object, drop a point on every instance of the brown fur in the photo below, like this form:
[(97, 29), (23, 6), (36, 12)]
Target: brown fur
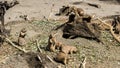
[(53, 44), (21, 38), (58, 45), (62, 57), (68, 49), (77, 11), (21, 41)]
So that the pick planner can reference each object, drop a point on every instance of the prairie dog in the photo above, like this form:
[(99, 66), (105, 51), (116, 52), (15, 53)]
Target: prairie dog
[(68, 49), (62, 57), (21, 38), (53, 44)]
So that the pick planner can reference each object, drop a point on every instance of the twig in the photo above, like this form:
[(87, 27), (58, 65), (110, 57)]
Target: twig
[(38, 46), (82, 65), (50, 59), (39, 58), (15, 45), (94, 5), (111, 30)]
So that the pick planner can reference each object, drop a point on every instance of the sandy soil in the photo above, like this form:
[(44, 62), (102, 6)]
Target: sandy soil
[(98, 55), (37, 9)]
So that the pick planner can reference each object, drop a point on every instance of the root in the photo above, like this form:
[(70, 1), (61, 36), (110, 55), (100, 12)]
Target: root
[(50, 59), (111, 30), (39, 58)]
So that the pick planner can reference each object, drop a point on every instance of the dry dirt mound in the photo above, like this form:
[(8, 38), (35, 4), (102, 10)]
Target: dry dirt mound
[(14, 61), (97, 54), (104, 56), (27, 60)]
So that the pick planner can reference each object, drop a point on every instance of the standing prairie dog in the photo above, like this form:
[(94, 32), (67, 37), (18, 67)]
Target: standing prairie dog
[(53, 44), (21, 38), (62, 57)]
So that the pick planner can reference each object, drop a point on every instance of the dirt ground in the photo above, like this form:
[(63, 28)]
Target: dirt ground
[(30, 8), (98, 55)]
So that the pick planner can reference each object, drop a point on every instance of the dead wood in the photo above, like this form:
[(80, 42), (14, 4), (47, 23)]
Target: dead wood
[(82, 65), (39, 58), (41, 52), (3, 7), (8, 40), (9, 5), (38, 46), (50, 59), (111, 30), (2, 13), (94, 5), (82, 29), (2, 39)]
